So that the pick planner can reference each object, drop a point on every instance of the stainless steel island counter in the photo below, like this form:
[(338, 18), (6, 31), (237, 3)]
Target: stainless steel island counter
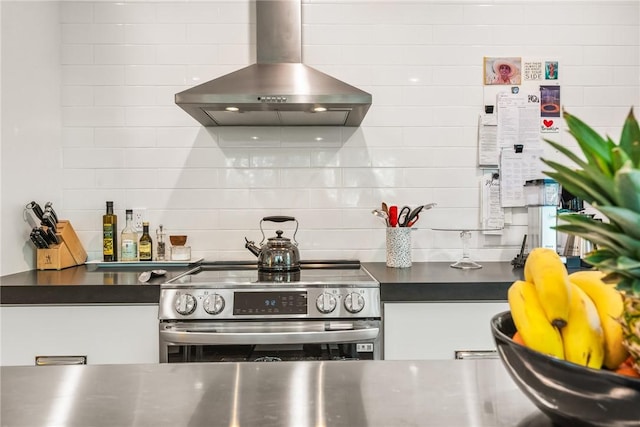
[(453, 393)]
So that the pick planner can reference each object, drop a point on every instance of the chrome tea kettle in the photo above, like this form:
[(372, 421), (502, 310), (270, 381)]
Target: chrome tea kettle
[(278, 253)]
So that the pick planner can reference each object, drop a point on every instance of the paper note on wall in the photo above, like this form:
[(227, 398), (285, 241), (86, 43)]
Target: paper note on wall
[(488, 152), (491, 208), (515, 170), (518, 120)]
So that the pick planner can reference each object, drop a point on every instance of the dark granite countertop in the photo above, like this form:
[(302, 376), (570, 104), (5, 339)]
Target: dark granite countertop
[(84, 284), (89, 284), (437, 281)]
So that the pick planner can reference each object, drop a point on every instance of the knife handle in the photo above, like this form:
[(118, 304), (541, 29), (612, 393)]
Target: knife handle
[(53, 237), (48, 207), (36, 209), (47, 219)]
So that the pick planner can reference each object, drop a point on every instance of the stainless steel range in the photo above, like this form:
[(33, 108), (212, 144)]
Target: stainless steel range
[(217, 312)]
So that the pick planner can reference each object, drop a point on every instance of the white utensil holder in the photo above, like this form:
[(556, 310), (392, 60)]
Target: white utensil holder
[(399, 247)]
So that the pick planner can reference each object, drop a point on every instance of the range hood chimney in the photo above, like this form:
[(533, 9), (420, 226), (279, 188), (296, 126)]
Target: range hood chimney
[(278, 90)]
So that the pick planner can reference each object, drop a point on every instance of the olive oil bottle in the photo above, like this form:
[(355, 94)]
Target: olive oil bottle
[(146, 244), (110, 235)]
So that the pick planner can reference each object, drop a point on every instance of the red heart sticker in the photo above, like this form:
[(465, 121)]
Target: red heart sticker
[(547, 123)]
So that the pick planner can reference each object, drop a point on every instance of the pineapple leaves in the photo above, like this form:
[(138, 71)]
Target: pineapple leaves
[(619, 157), (564, 150), (627, 220), (630, 138), (596, 149), (580, 184), (602, 234), (627, 187)]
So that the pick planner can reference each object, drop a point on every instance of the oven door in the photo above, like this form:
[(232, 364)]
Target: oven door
[(270, 341)]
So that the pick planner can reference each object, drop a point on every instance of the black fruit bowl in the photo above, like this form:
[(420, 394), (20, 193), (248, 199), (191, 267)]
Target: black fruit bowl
[(569, 394)]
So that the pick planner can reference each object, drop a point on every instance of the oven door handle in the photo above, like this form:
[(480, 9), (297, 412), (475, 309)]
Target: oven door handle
[(250, 338)]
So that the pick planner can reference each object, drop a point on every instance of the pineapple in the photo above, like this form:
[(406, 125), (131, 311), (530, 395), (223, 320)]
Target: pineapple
[(608, 178)]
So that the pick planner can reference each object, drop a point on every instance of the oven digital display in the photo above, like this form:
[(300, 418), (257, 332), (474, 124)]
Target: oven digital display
[(269, 303)]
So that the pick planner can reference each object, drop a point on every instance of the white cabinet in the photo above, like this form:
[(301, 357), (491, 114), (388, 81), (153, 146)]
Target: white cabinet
[(105, 334), (418, 331)]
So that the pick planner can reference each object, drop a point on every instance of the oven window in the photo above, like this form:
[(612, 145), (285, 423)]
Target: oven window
[(269, 353)]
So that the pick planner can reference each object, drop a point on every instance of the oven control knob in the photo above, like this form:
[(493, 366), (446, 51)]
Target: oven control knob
[(213, 304), (185, 304), (326, 303), (354, 302)]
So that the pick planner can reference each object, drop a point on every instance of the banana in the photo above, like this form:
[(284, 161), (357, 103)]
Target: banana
[(547, 272), (582, 337), (531, 322), (608, 302)]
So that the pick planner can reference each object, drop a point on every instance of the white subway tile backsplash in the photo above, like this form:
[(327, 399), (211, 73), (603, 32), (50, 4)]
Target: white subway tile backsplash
[(124, 95), (124, 139), (126, 179), (77, 54), (85, 116), (76, 12), (126, 54), (280, 158), (187, 12), (78, 95), (157, 116), (155, 75), (374, 177), (188, 54), (311, 178), (341, 157), (77, 137), (219, 33), (88, 33), (165, 33), (250, 178), (92, 158), (124, 12), (93, 75)]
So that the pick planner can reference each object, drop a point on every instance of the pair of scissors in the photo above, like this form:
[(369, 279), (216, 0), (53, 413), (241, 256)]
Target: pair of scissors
[(408, 217)]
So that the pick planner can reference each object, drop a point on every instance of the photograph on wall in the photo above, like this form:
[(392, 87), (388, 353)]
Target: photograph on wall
[(550, 101), (502, 71), (551, 70)]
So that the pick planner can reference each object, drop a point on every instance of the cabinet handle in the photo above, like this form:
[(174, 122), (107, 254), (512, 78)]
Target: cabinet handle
[(60, 360), (476, 354)]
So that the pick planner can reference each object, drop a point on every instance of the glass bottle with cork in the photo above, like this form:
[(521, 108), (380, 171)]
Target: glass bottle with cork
[(110, 235), (146, 243), (129, 240)]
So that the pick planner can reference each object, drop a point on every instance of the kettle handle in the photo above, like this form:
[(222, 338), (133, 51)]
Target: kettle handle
[(279, 219)]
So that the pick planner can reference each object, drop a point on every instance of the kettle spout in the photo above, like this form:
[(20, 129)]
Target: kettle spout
[(252, 247)]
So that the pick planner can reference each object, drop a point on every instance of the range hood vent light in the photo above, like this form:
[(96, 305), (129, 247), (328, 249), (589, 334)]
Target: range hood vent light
[(278, 90)]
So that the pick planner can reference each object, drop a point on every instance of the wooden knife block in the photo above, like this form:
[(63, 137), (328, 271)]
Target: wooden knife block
[(67, 253)]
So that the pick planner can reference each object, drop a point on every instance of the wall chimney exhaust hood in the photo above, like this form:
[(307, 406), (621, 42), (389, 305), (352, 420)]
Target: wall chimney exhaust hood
[(278, 90)]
